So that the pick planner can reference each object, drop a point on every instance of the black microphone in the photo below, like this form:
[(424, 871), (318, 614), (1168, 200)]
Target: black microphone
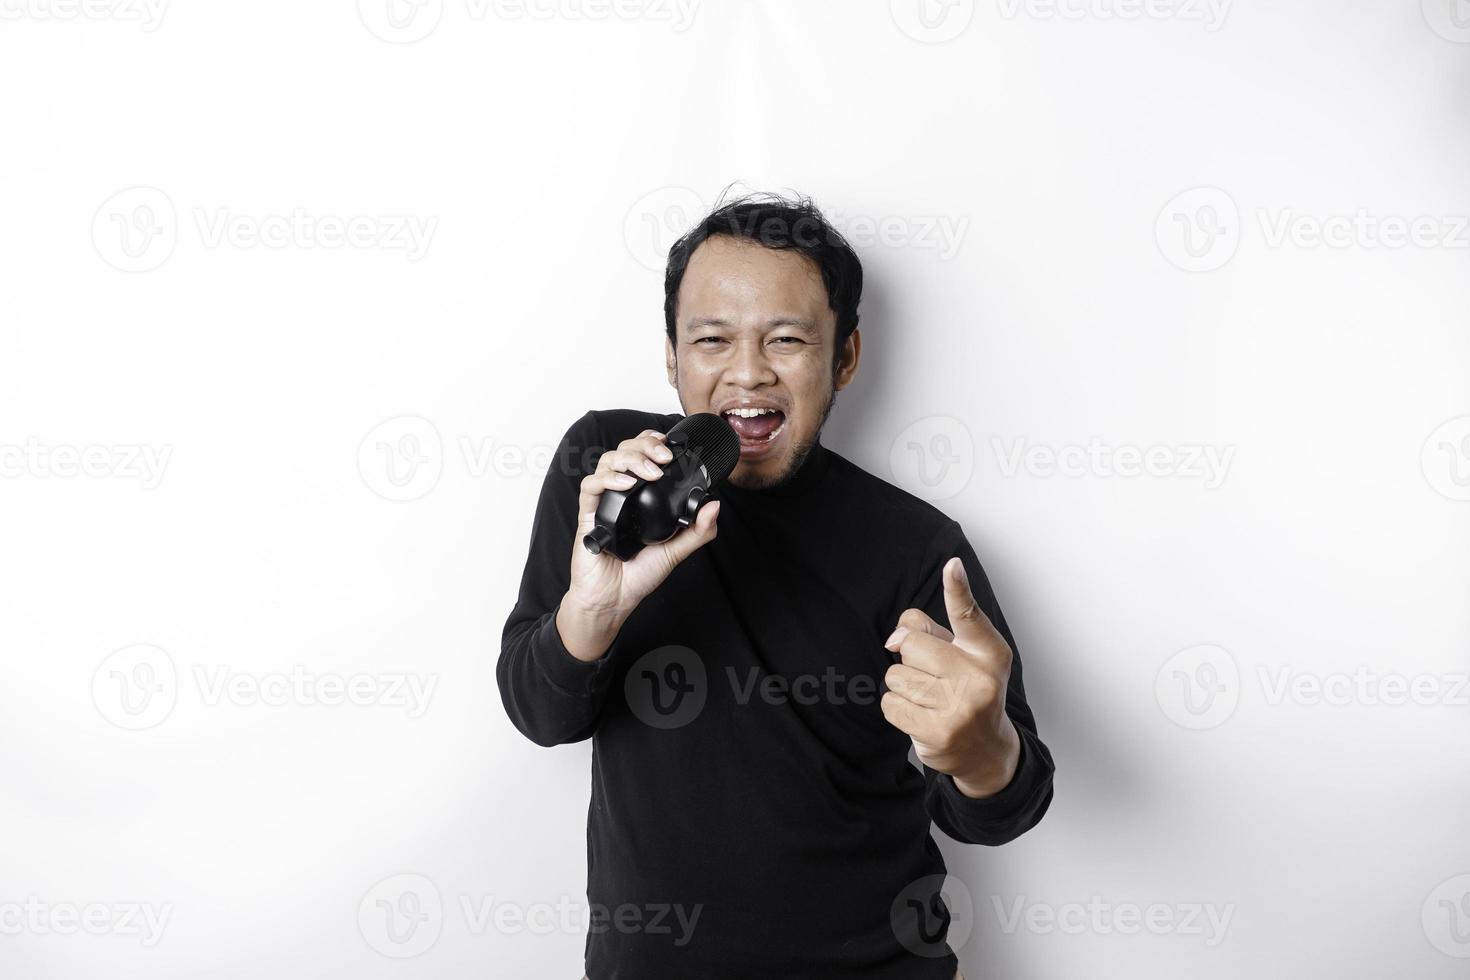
[(705, 452)]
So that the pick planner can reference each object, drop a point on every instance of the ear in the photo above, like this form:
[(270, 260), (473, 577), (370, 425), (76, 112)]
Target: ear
[(671, 364), (847, 365)]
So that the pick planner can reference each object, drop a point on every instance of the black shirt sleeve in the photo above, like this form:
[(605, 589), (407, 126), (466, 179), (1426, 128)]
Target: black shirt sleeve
[(550, 695), (1018, 807)]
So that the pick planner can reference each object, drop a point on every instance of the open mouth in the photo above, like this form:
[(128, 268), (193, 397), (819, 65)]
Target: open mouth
[(758, 428)]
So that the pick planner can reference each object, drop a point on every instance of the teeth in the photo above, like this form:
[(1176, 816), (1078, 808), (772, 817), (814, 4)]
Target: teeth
[(749, 413)]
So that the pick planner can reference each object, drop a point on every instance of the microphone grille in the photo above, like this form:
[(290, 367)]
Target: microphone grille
[(712, 438)]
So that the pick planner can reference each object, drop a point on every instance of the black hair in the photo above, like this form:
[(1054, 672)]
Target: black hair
[(783, 223)]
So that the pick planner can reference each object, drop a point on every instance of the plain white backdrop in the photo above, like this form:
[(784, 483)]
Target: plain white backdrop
[(1167, 305)]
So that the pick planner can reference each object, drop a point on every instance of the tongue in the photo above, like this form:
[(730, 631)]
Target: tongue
[(755, 429)]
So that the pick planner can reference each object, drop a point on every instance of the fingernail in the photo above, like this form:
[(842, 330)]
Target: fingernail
[(960, 571), (896, 636)]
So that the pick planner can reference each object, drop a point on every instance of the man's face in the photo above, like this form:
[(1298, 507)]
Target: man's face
[(754, 332)]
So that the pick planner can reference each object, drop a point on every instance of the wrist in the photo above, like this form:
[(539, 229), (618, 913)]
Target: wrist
[(586, 632), (995, 774)]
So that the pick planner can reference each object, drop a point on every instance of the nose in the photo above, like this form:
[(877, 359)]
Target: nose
[(749, 368)]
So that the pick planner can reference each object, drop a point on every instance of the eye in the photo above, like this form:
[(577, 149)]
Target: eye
[(794, 340), (712, 339)]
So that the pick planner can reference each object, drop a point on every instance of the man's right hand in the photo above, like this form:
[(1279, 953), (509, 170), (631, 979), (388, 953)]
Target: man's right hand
[(605, 590)]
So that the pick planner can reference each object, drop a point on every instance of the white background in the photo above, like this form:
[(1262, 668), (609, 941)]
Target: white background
[(1080, 228)]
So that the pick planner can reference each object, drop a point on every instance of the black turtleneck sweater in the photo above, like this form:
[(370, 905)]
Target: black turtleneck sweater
[(753, 814)]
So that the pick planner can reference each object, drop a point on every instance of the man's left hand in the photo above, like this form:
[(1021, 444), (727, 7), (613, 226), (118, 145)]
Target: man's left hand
[(949, 692)]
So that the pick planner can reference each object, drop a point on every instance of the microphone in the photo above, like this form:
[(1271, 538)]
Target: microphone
[(705, 452)]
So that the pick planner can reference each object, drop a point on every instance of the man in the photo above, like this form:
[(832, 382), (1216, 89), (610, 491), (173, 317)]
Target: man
[(753, 685)]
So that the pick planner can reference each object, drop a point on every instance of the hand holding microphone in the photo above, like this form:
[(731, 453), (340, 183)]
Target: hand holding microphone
[(648, 501)]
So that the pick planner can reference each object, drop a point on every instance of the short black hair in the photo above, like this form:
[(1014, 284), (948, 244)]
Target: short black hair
[(775, 221)]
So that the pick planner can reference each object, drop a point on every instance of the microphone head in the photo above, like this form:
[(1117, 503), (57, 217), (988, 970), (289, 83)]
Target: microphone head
[(711, 439)]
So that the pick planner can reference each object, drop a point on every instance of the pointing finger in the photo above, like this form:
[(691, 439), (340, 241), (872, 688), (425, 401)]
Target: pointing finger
[(972, 628)]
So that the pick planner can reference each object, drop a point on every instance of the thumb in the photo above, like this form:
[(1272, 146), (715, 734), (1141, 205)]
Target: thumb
[(695, 536), (972, 628)]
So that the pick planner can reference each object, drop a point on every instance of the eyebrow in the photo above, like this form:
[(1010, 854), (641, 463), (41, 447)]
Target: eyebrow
[(801, 323)]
